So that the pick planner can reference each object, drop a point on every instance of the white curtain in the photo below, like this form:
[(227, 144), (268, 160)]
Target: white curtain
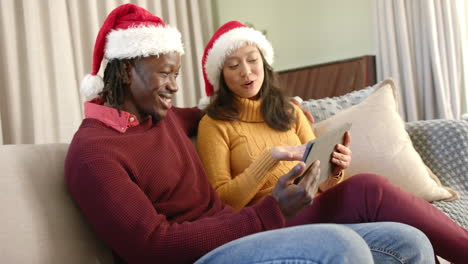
[(47, 46), (420, 43), (1, 133)]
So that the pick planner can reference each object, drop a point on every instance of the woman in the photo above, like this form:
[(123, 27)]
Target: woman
[(249, 115)]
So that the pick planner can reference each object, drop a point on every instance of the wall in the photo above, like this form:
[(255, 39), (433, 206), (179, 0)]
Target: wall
[(305, 32)]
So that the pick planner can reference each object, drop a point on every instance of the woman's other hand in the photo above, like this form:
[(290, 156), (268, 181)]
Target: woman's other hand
[(293, 198), (297, 101), (288, 152), (341, 157)]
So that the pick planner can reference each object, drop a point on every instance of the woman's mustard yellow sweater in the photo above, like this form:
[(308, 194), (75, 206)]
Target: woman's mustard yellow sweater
[(236, 154)]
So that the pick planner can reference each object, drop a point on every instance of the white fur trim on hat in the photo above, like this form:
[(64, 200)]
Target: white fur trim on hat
[(204, 102), (229, 42), (91, 86), (142, 41)]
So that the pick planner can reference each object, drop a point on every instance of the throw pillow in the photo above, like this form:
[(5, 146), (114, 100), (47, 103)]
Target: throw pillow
[(322, 109), (381, 145)]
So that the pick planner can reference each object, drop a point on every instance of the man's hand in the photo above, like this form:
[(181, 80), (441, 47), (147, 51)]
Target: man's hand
[(288, 152), (293, 198), (308, 115), (341, 158)]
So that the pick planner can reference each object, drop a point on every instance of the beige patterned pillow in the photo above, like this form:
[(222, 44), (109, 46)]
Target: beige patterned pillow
[(381, 145)]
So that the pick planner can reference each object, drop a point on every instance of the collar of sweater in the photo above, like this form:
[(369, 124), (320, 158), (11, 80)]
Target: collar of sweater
[(249, 110)]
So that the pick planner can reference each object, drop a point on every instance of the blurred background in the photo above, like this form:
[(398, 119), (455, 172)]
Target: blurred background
[(47, 45)]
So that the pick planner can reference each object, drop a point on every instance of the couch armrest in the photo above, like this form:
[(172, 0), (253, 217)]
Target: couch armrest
[(40, 223), (443, 145)]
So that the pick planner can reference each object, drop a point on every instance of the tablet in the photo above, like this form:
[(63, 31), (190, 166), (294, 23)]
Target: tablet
[(321, 149)]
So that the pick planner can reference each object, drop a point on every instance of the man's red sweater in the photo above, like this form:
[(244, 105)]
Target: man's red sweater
[(146, 194)]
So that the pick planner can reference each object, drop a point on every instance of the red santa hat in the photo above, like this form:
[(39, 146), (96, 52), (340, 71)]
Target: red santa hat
[(226, 39), (129, 31)]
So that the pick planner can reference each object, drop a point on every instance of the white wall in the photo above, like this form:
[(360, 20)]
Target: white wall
[(305, 32)]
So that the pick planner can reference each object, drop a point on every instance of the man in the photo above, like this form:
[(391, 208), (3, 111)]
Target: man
[(137, 178)]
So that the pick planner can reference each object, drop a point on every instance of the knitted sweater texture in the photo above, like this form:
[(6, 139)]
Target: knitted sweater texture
[(236, 154), (146, 195)]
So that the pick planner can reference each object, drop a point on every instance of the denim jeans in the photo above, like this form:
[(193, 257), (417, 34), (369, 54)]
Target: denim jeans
[(382, 242)]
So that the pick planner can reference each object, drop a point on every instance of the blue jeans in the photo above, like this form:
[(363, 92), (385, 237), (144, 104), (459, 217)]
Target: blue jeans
[(382, 242)]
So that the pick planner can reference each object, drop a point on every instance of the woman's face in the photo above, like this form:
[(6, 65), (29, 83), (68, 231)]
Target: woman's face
[(243, 71)]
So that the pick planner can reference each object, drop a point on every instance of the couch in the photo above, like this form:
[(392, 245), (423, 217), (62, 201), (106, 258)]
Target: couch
[(443, 145), (41, 224)]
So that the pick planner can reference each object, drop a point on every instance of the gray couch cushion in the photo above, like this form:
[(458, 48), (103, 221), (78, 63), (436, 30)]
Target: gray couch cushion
[(442, 144), (324, 108)]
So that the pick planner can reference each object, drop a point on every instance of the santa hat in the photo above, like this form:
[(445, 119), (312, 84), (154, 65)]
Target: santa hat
[(129, 31), (226, 39)]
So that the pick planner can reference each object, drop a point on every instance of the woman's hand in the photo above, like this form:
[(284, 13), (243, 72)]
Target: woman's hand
[(297, 101), (288, 152), (341, 158), (293, 198)]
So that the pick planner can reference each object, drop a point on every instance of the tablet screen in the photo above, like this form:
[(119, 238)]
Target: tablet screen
[(321, 149)]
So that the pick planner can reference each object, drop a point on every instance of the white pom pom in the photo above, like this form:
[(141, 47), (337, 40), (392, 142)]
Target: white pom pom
[(91, 86), (204, 102), (298, 99)]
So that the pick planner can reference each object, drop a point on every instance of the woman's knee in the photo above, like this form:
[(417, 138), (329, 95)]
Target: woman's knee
[(368, 181)]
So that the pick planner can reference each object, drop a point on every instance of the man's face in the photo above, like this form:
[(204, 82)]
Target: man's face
[(153, 85)]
